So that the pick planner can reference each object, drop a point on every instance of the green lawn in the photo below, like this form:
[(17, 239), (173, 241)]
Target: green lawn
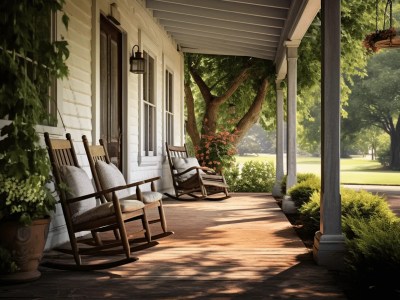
[(353, 170)]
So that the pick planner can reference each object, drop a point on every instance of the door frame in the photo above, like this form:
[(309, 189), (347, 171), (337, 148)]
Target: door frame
[(97, 11)]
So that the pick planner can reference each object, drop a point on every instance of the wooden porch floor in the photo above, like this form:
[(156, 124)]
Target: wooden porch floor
[(239, 248)]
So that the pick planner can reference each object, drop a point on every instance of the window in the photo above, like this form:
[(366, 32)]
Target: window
[(149, 107), (47, 93), (169, 112)]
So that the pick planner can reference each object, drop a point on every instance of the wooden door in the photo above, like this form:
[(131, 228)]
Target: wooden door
[(111, 89)]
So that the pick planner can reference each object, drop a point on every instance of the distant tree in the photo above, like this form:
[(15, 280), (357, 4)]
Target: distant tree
[(248, 145), (375, 100), (257, 140)]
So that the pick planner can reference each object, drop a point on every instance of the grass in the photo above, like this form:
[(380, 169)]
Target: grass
[(352, 170)]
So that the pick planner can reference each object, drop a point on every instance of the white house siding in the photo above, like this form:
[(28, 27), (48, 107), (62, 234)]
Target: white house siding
[(79, 97)]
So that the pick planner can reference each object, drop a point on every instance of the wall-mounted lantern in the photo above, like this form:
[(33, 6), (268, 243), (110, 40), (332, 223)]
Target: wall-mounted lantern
[(136, 61)]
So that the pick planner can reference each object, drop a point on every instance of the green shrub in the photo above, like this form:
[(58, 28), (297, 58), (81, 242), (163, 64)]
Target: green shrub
[(357, 204), (300, 178), (301, 192), (256, 177), (253, 177), (232, 176), (374, 252)]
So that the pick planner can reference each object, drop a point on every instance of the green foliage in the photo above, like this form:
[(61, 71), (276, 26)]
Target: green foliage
[(355, 204), (232, 176), (253, 177), (29, 63), (7, 263), (357, 19), (25, 199), (301, 192), (374, 253), (300, 178)]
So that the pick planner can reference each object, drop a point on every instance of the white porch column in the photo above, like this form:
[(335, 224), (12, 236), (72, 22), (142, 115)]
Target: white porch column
[(279, 140), (291, 48), (329, 243)]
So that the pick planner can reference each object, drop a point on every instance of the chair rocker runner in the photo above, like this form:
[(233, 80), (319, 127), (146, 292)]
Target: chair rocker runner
[(188, 178), (82, 213), (99, 162)]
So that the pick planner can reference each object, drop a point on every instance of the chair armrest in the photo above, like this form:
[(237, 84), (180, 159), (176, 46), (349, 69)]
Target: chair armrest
[(103, 192), (186, 171), (151, 179), (207, 169)]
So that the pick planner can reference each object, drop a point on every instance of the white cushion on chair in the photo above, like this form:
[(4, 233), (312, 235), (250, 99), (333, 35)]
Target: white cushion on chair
[(110, 176), (148, 197), (183, 163), (79, 184), (83, 211)]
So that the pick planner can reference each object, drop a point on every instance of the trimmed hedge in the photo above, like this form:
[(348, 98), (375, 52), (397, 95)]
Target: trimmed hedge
[(357, 204), (300, 178), (253, 177), (374, 254), (301, 192)]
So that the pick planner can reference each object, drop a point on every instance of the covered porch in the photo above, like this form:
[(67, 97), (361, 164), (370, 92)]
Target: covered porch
[(240, 248)]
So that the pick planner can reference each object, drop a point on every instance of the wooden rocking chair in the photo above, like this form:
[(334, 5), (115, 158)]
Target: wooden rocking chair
[(82, 213), (188, 178), (98, 157)]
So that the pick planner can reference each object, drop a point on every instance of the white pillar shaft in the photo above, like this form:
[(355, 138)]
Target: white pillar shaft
[(291, 116), (329, 245), (330, 162), (279, 140)]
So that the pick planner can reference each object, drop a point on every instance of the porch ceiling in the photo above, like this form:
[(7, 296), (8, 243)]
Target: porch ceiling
[(257, 28)]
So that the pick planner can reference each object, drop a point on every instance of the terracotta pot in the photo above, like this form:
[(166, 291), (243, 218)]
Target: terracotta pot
[(26, 244)]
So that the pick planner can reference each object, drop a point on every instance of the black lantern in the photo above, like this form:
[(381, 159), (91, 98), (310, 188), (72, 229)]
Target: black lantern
[(136, 61)]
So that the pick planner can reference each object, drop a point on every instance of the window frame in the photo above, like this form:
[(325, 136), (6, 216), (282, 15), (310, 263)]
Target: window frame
[(169, 107), (149, 106)]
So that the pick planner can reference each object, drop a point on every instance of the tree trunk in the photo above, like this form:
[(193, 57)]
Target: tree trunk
[(191, 126), (210, 119), (394, 133), (394, 151), (252, 115), (213, 103)]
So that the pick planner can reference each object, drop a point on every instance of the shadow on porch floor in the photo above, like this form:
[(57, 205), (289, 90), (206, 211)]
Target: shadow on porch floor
[(239, 248)]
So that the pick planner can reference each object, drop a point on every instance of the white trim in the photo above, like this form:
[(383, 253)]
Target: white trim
[(96, 12), (154, 105)]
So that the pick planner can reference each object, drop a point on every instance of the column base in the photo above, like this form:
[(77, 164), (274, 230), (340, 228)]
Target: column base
[(329, 250), (276, 190), (288, 205)]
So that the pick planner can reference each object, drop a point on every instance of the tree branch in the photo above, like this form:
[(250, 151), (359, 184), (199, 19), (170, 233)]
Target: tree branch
[(251, 116), (239, 79), (204, 89)]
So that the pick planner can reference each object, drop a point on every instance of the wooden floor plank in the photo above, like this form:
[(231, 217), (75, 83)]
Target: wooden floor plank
[(238, 248)]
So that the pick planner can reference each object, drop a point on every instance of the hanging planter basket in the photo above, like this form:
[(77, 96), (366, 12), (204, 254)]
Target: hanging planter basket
[(380, 39), (393, 42), (385, 38)]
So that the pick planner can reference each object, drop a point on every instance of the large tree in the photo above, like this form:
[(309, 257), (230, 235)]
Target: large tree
[(234, 85), (240, 90), (375, 100)]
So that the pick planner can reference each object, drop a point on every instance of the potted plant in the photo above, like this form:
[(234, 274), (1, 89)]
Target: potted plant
[(30, 62)]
